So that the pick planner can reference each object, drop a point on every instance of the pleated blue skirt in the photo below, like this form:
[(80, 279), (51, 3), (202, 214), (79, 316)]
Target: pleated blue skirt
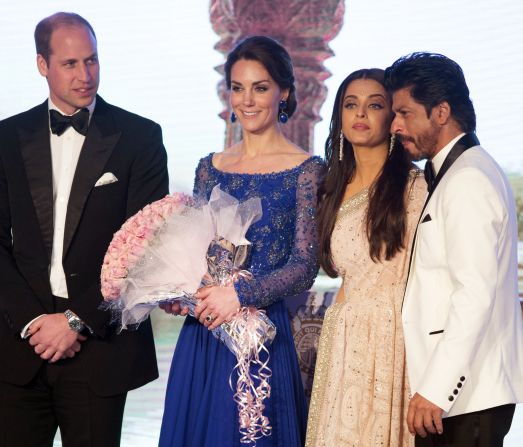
[(199, 407)]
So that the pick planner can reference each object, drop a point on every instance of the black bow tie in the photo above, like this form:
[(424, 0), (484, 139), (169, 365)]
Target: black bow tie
[(430, 177), (60, 123)]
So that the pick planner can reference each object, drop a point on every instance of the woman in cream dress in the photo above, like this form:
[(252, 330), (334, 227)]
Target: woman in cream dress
[(371, 201)]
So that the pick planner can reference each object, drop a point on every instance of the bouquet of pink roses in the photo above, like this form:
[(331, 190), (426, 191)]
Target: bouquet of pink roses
[(134, 237), (165, 252)]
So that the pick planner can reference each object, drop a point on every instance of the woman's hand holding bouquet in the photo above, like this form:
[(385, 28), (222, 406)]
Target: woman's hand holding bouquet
[(217, 302), (185, 259)]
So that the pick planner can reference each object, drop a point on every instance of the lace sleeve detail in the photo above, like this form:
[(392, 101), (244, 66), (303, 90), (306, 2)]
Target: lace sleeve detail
[(202, 178), (298, 274)]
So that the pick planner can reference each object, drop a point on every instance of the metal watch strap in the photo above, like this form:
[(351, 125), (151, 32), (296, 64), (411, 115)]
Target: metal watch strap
[(75, 323)]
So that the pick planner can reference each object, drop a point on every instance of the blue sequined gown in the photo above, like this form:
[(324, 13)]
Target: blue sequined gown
[(199, 408)]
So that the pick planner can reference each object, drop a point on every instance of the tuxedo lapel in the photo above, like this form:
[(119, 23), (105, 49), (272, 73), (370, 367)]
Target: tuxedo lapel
[(100, 140), (35, 148), (465, 142)]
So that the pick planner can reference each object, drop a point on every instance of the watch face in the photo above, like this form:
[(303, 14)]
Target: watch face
[(74, 322), (76, 325)]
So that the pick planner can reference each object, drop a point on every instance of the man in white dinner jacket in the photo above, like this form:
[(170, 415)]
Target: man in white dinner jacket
[(461, 314)]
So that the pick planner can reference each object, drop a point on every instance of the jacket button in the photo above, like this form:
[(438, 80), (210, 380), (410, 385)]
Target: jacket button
[(459, 385), (455, 392), (462, 378)]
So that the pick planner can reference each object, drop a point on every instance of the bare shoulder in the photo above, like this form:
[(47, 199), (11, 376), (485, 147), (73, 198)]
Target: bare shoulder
[(226, 156), (292, 156), (298, 151), (275, 159)]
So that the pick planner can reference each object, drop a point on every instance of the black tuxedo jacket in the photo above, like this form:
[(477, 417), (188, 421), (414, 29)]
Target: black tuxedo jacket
[(119, 142)]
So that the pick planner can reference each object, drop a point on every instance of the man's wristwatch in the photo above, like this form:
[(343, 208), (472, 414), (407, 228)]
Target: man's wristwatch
[(74, 321)]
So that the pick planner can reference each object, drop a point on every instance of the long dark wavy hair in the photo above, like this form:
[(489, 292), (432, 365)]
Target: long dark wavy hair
[(386, 213)]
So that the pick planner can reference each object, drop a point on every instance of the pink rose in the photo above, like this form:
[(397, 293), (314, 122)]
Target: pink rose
[(123, 261), (114, 250), (117, 283), (133, 226), (128, 238), (118, 272), (146, 211), (167, 209), (127, 224), (130, 242), (109, 291), (144, 233)]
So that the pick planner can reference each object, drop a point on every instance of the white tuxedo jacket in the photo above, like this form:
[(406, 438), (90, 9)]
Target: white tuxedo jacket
[(461, 315)]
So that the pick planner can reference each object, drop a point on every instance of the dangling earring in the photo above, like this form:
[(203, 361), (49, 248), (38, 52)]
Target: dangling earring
[(233, 117), (282, 115), (392, 141), (340, 155)]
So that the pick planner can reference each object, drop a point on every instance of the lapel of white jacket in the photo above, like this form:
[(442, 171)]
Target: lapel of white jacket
[(465, 142)]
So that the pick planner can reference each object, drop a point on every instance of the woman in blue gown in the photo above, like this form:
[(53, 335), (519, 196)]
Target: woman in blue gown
[(199, 406)]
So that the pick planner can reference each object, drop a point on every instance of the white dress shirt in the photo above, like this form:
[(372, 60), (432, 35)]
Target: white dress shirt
[(439, 158), (65, 152)]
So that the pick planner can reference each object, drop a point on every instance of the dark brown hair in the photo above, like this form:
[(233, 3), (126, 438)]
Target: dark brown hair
[(386, 213), (273, 56), (433, 78), (47, 26)]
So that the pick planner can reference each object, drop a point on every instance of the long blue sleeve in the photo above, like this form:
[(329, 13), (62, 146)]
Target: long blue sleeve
[(298, 274), (284, 260)]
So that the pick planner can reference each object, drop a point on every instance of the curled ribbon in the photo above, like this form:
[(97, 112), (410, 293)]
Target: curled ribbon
[(247, 331), (251, 388)]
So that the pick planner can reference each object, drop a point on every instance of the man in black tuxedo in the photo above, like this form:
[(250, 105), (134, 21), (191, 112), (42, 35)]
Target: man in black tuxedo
[(72, 170)]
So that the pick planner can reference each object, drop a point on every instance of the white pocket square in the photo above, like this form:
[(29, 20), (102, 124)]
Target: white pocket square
[(105, 179)]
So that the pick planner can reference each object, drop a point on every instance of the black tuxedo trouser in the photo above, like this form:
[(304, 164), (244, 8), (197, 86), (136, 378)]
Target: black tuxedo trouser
[(59, 396), (485, 428)]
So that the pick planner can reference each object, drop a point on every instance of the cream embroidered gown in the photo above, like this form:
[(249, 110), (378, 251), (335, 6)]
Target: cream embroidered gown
[(360, 394)]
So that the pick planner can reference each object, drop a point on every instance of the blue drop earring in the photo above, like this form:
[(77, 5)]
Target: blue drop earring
[(233, 117), (282, 114)]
